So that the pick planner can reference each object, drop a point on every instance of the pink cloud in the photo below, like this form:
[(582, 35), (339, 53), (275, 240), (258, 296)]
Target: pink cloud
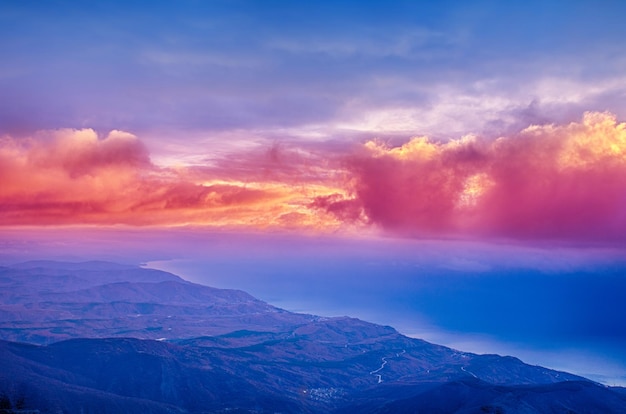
[(75, 177), (546, 182), (560, 182)]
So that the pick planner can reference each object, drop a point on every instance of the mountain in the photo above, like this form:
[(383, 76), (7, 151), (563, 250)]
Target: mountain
[(44, 302), (224, 351)]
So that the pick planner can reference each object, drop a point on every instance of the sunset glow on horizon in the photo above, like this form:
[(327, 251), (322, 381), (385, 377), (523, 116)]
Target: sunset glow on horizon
[(544, 182)]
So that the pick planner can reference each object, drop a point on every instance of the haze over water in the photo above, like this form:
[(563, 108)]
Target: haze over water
[(539, 304)]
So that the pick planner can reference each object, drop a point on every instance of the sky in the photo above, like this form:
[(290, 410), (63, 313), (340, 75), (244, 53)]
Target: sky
[(475, 138)]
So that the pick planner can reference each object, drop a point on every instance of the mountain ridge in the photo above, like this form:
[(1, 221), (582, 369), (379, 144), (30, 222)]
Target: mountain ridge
[(197, 349)]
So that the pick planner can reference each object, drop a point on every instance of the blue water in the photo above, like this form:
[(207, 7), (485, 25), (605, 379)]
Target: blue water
[(558, 306), (564, 317)]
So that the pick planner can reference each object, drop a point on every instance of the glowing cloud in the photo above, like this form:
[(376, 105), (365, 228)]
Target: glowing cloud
[(548, 181), (73, 177), (545, 182)]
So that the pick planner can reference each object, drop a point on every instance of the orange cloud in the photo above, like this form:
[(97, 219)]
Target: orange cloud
[(74, 177), (547, 181)]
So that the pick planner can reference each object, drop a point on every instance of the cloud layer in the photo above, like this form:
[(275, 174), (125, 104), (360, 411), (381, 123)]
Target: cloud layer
[(545, 182), (551, 181), (220, 67), (74, 177)]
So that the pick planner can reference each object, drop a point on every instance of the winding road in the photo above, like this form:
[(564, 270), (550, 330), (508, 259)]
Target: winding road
[(384, 359), (471, 373)]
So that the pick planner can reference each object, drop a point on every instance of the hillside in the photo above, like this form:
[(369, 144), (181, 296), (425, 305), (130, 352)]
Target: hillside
[(98, 337)]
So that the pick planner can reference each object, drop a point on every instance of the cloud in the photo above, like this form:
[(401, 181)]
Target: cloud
[(545, 182), (549, 181), (409, 68), (81, 152), (415, 186), (565, 181), (74, 177)]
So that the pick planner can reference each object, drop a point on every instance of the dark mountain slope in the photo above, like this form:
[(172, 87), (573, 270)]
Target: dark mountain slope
[(224, 351), (122, 375), (164, 377), (473, 396)]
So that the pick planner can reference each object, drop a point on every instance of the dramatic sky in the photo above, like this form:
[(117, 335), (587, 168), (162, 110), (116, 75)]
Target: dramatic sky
[(481, 137)]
